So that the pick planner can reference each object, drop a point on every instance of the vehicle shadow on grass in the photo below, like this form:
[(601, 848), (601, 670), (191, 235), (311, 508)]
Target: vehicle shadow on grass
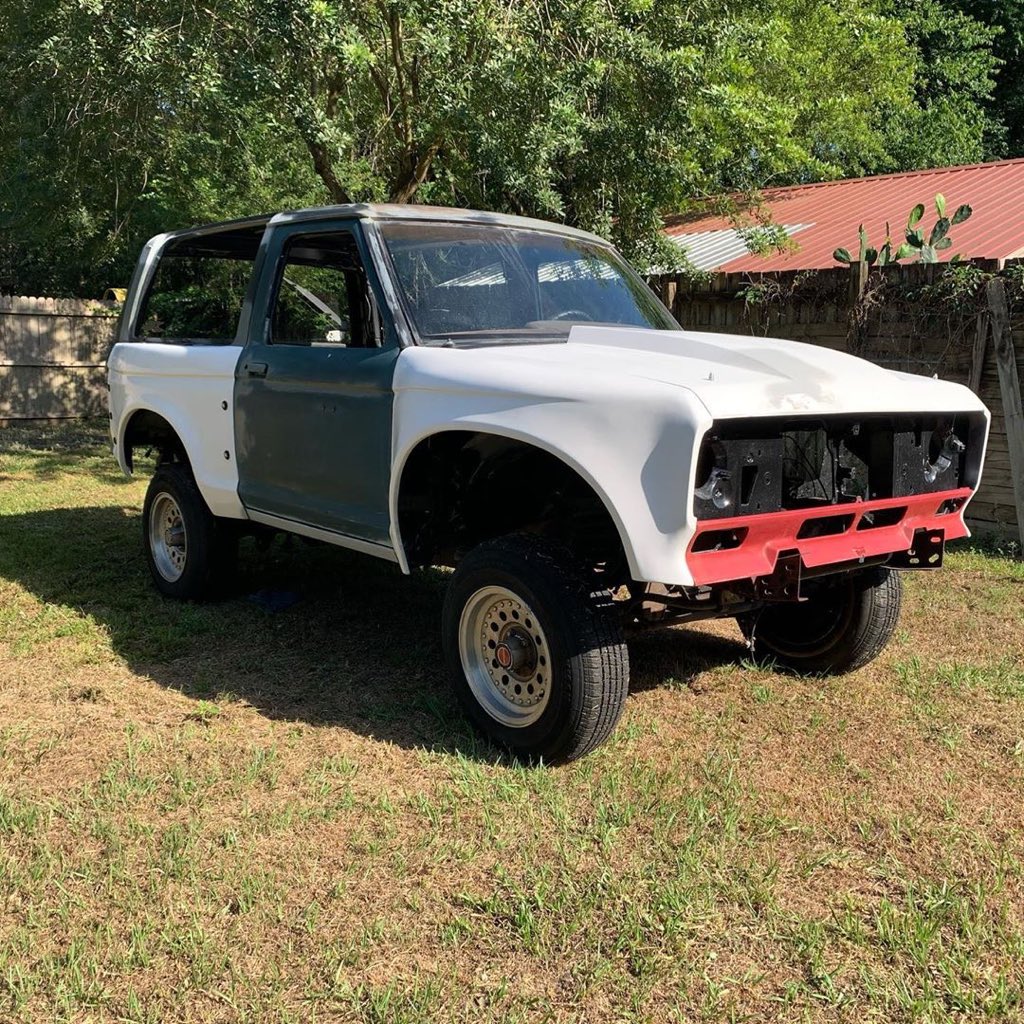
[(354, 643)]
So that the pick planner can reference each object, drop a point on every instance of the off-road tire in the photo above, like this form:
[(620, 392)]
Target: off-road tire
[(846, 623), (588, 671), (212, 543)]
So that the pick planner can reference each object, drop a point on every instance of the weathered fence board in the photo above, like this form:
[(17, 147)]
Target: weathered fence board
[(52, 356), (1010, 393)]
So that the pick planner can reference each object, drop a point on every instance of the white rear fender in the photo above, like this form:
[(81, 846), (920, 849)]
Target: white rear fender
[(632, 441), (189, 386)]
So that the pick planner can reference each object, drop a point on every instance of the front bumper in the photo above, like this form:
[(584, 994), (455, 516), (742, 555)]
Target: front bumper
[(747, 547)]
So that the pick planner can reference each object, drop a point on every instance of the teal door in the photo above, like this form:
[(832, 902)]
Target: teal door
[(313, 389)]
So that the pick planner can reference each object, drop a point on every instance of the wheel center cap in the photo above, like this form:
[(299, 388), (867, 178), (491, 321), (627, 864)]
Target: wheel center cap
[(515, 653)]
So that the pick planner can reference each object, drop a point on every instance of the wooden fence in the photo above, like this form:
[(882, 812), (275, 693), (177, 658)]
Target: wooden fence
[(52, 351), (977, 340), (52, 357)]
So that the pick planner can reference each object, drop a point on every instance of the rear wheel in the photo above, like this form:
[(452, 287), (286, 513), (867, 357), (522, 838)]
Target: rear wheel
[(845, 623), (190, 552), (534, 649)]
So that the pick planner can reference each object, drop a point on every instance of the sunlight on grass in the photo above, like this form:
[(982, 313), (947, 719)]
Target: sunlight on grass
[(212, 812)]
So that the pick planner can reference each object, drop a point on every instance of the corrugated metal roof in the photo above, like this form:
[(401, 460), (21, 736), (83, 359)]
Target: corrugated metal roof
[(708, 250), (830, 212)]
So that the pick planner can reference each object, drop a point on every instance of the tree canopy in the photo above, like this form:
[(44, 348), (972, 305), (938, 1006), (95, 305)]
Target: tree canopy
[(127, 117)]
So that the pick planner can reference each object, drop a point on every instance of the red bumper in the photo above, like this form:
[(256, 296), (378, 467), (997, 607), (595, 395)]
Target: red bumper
[(744, 547)]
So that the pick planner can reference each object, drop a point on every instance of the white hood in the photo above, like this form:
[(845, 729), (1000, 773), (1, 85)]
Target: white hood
[(740, 375), (737, 375)]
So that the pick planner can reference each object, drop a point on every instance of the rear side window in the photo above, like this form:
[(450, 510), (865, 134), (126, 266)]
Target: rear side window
[(199, 287)]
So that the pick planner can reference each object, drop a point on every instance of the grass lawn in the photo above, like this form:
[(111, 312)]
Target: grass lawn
[(222, 813)]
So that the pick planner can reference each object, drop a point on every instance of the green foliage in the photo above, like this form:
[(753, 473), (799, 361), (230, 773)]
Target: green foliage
[(953, 80), (938, 239), (129, 118), (765, 239), (196, 298), (1005, 106), (927, 250), (956, 288)]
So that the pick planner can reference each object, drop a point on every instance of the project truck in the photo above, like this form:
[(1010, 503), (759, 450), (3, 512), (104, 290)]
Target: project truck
[(507, 397)]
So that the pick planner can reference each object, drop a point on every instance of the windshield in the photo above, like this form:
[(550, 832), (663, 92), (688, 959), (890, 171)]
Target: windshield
[(473, 284)]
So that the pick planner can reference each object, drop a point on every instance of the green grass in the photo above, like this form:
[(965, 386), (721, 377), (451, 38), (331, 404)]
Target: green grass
[(215, 813)]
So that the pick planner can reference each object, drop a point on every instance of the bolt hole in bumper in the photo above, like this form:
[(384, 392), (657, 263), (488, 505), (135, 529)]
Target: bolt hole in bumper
[(746, 547)]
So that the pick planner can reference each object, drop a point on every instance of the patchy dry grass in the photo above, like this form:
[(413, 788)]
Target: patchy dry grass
[(217, 813)]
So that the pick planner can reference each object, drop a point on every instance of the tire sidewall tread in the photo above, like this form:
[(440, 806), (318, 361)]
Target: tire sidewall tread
[(210, 548), (876, 595), (590, 664)]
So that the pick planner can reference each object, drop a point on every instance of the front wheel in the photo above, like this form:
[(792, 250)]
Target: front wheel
[(189, 551), (845, 622), (534, 649)]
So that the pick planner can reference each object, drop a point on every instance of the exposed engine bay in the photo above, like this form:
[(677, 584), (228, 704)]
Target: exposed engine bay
[(753, 467)]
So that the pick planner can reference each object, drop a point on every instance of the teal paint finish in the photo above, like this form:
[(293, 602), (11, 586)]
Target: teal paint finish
[(313, 430)]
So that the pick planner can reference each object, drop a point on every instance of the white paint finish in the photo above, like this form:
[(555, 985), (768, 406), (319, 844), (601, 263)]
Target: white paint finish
[(627, 408), (186, 385), (341, 540), (737, 375), (632, 439)]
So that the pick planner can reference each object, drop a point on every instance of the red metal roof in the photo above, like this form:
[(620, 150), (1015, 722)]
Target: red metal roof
[(832, 211)]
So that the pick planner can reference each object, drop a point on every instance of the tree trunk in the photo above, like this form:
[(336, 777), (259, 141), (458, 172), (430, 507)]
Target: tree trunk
[(325, 169), (417, 169)]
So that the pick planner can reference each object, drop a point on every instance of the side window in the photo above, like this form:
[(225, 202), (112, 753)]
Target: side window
[(323, 295), (199, 287)]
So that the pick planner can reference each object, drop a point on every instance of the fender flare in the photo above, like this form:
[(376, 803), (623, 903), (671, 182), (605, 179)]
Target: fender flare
[(124, 455), (513, 435), (221, 496)]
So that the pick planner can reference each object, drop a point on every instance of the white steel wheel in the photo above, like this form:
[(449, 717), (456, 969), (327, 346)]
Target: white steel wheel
[(505, 656), (189, 551), (533, 648), (168, 539)]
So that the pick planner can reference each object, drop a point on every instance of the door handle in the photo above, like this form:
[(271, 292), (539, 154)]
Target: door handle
[(256, 369)]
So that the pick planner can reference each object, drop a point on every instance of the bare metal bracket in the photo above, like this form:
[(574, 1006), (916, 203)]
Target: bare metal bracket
[(784, 582), (925, 552)]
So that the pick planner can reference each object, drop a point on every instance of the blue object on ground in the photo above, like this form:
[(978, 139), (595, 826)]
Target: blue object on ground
[(274, 600)]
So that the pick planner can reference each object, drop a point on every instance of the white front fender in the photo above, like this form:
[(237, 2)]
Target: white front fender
[(633, 441)]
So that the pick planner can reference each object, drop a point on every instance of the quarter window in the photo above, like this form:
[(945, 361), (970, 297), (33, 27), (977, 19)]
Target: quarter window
[(199, 287)]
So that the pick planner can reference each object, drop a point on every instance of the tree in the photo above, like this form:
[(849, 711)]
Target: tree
[(129, 118), (1006, 104), (117, 128), (600, 114), (950, 122)]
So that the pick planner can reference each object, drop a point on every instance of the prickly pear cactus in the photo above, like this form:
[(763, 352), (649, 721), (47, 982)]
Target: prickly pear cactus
[(927, 248)]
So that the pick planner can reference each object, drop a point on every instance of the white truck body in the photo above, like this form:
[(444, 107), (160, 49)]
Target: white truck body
[(507, 397), (625, 408)]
